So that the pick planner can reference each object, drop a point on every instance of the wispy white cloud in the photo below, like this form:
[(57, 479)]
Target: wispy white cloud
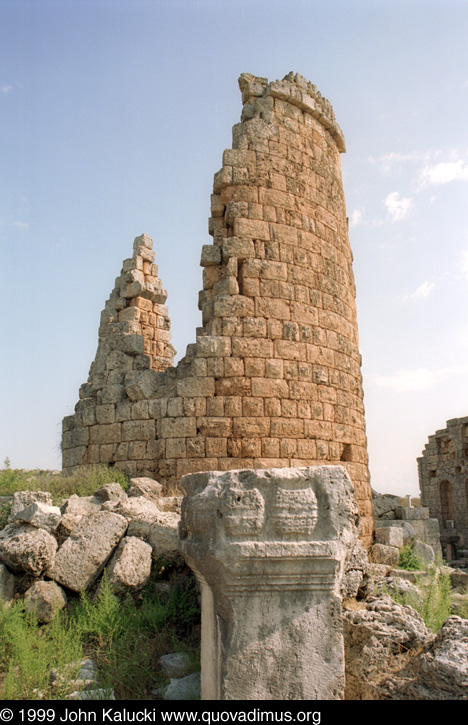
[(398, 207), (395, 161), (5, 88), (444, 172), (424, 290), (356, 218)]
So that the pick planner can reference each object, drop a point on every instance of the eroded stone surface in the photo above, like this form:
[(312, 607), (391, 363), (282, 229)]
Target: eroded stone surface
[(130, 566), (24, 548), (44, 599), (82, 556)]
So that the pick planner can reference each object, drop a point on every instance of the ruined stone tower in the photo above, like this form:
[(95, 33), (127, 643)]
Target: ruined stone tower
[(443, 481), (273, 379)]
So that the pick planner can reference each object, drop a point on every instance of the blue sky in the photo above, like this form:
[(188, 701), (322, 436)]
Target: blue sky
[(114, 115)]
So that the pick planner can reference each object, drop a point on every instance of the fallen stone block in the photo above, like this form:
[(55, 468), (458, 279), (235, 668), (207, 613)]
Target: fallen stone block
[(424, 552), (420, 513), (175, 664), (459, 579), (439, 672), (82, 557), (111, 492), (73, 511), (185, 688), (378, 636), (382, 554), (21, 499), (133, 508), (145, 486), (160, 531), (390, 536), (130, 566), (24, 548), (40, 515), (45, 599), (409, 532), (384, 504)]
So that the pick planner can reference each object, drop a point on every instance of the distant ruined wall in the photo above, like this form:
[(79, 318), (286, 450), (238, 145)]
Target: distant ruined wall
[(443, 479), (274, 377)]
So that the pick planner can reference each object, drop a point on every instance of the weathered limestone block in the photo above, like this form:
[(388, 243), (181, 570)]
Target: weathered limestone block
[(377, 638), (270, 549), (184, 688), (73, 511), (390, 536), (424, 552), (111, 492), (383, 554), (384, 504), (82, 556), (40, 515), (24, 548), (21, 499), (441, 670), (147, 487), (44, 599), (133, 507), (175, 664), (412, 514), (160, 530), (130, 566)]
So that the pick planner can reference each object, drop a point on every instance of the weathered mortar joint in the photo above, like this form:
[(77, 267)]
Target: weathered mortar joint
[(270, 549)]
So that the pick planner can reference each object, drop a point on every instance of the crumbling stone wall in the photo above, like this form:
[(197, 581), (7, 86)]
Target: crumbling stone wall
[(273, 379), (443, 480)]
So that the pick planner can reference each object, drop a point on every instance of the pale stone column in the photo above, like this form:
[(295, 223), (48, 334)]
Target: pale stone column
[(270, 548)]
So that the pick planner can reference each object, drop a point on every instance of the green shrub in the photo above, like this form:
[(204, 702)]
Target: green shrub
[(83, 482), (29, 653), (409, 561), (434, 602)]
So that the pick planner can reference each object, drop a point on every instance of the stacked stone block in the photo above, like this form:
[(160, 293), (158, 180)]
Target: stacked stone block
[(273, 379), (111, 423), (443, 479)]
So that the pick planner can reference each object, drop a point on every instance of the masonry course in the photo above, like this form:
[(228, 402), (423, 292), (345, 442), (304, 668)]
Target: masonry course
[(273, 379)]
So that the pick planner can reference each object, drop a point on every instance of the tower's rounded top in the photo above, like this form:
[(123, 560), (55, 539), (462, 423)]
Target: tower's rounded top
[(298, 91)]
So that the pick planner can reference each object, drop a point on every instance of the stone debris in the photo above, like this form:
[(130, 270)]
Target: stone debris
[(378, 637), (40, 515), (397, 526), (26, 549), (45, 599), (175, 664), (21, 499), (184, 688), (382, 554), (82, 557), (146, 487), (129, 568), (111, 492)]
